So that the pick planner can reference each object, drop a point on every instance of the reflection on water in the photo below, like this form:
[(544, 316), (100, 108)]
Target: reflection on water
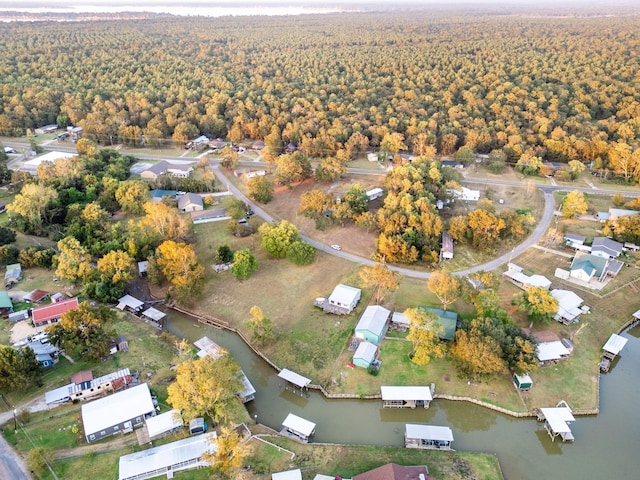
[(605, 445)]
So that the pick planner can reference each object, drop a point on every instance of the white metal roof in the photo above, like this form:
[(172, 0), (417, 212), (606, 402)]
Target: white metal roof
[(344, 294), (551, 351), (366, 351), (163, 423), (406, 393), (117, 408), (288, 475), (136, 465), (207, 346), (129, 301), (557, 418), (299, 424), (524, 378), (59, 395), (615, 344), (401, 318), (154, 314), (373, 319), (294, 378), (429, 432), (568, 303), (636, 314)]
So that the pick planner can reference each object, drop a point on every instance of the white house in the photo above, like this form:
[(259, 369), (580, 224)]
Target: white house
[(606, 248), (344, 298), (190, 202), (466, 194), (374, 193), (569, 306), (552, 351)]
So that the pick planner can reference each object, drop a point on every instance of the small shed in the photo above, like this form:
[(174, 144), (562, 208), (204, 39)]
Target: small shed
[(57, 297), (299, 427), (399, 321), (143, 268), (18, 316), (428, 437), (406, 397), (287, 475), (446, 252), (373, 324), (522, 382), (122, 343), (13, 274), (374, 193), (365, 354)]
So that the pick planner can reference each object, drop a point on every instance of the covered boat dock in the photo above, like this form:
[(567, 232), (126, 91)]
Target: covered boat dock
[(295, 382), (299, 427), (407, 397), (556, 421), (611, 350), (431, 437)]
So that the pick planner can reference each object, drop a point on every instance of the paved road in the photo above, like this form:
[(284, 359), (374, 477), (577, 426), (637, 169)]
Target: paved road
[(11, 465)]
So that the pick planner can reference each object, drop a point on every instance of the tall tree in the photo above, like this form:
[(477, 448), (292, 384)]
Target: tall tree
[(445, 286), (261, 189), (245, 264), (84, 332), (260, 326), (32, 203), (424, 334), (278, 237), (206, 386), (74, 262), (132, 195), (538, 303), (178, 263), (230, 454), (116, 267), (476, 355), (165, 222), (381, 278), (574, 204), (18, 369)]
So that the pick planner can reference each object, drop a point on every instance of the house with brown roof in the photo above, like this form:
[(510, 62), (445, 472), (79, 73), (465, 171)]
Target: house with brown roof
[(53, 312), (393, 471), (36, 296)]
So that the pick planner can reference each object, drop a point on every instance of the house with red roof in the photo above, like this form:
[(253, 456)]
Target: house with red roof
[(51, 313)]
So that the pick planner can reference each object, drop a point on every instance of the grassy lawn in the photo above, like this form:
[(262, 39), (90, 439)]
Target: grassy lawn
[(352, 460)]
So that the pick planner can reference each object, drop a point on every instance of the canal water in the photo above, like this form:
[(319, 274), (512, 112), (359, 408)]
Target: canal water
[(606, 445)]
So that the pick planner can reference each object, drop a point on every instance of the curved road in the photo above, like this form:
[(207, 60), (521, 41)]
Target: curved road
[(540, 229)]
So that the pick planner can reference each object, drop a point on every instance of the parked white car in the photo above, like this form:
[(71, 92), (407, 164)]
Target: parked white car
[(336, 247)]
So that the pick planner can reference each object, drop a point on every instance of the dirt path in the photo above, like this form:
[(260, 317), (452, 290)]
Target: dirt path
[(116, 444)]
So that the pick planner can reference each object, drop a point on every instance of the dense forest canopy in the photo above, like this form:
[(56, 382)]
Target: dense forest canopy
[(566, 88)]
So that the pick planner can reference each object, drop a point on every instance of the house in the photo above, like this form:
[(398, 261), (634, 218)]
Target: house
[(446, 252), (427, 437), (342, 300), (122, 343), (217, 144), (448, 321), (13, 274), (201, 140), (6, 306), (131, 304), (190, 202), (365, 354), (557, 421), (552, 352), (297, 426), (257, 145), (615, 213), (522, 382), (82, 379), (84, 390), (35, 296), (372, 324), (169, 458), (74, 132), (157, 195), (46, 129), (155, 316), (374, 193), (164, 424), (466, 194), (525, 281), (393, 471), (288, 475), (586, 267), (117, 413), (165, 168), (46, 354), (211, 215), (53, 312), (573, 240), (606, 248), (569, 306), (399, 321), (406, 397)]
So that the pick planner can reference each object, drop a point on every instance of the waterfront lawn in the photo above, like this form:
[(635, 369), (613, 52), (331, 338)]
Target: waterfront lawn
[(348, 461)]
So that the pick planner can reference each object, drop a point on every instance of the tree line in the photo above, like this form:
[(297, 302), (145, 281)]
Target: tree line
[(559, 88)]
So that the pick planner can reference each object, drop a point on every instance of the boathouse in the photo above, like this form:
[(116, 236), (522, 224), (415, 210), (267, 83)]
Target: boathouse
[(298, 427), (407, 397), (130, 303), (154, 316), (428, 437), (294, 381), (610, 350), (556, 421)]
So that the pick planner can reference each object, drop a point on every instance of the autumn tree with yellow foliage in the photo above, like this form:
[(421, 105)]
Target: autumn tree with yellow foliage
[(380, 277), (424, 334), (476, 355), (230, 454), (445, 286), (178, 263), (538, 303)]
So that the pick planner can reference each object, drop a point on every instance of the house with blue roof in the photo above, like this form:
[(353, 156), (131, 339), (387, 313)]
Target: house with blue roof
[(373, 324), (587, 267), (448, 321)]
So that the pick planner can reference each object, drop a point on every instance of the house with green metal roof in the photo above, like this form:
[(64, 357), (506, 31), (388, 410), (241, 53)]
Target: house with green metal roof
[(448, 320), (6, 307)]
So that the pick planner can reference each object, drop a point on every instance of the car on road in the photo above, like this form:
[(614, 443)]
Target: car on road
[(9, 150), (336, 247)]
